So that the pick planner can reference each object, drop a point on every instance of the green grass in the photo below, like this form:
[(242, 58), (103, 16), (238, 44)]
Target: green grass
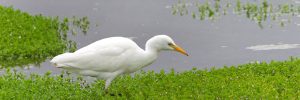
[(30, 39), (274, 80), (25, 38)]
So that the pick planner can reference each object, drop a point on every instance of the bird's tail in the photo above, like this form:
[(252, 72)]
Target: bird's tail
[(60, 60)]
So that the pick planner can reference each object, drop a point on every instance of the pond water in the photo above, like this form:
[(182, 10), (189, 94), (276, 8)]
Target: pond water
[(229, 40)]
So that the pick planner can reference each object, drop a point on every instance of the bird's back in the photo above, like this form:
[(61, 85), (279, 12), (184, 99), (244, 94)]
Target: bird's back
[(120, 42)]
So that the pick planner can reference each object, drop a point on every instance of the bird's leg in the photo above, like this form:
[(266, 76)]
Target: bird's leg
[(107, 83)]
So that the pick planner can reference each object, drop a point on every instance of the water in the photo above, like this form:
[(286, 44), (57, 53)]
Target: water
[(273, 46), (209, 43)]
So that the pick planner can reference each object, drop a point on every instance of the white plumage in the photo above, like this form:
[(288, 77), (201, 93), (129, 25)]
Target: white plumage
[(110, 57)]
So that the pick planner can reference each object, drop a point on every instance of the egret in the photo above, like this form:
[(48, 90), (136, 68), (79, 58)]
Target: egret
[(110, 57)]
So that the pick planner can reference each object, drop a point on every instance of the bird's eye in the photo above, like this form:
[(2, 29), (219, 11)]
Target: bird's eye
[(170, 44)]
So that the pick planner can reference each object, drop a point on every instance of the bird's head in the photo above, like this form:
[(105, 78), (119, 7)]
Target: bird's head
[(164, 42)]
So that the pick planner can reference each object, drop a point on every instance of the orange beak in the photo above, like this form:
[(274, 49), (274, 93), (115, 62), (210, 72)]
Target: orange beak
[(179, 49)]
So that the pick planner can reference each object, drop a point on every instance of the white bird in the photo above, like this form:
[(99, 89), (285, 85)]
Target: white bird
[(110, 57)]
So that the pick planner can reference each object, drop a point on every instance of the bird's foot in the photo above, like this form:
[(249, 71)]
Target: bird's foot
[(111, 94), (106, 91)]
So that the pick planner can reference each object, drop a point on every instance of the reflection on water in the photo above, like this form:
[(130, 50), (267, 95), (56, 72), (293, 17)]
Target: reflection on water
[(209, 43)]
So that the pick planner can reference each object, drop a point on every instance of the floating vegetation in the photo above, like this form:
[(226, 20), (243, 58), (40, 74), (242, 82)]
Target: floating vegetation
[(259, 12), (27, 39), (79, 24), (180, 8), (274, 80)]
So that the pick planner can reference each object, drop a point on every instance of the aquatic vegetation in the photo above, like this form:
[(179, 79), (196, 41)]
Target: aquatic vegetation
[(260, 80), (30, 39), (79, 24), (262, 11), (265, 12)]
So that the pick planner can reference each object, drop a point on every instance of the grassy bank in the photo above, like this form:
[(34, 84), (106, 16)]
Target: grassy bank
[(277, 79), (30, 39), (25, 38)]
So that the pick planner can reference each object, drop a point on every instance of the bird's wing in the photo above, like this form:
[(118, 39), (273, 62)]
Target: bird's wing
[(106, 55), (105, 59)]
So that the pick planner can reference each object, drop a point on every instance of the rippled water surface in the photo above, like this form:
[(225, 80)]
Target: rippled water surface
[(229, 40)]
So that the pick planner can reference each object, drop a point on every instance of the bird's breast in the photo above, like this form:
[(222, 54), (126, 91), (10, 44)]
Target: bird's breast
[(139, 61)]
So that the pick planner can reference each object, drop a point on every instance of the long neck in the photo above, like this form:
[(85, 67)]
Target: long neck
[(150, 48), (145, 58), (152, 45), (150, 53)]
